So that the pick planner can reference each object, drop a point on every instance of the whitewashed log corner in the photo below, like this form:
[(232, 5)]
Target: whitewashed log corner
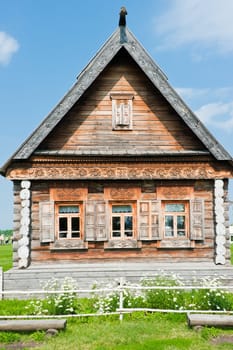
[(220, 239), (24, 241)]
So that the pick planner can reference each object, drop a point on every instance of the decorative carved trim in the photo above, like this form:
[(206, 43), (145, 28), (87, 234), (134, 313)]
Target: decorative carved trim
[(122, 244), (68, 194), (122, 193), (220, 236), (122, 111), (174, 192), (66, 244), (112, 171), (23, 242), (178, 243)]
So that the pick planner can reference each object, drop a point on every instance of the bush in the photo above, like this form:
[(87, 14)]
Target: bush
[(163, 298), (56, 304), (67, 302), (109, 301), (210, 298)]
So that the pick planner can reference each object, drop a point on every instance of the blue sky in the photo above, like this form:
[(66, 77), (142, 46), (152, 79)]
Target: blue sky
[(45, 44)]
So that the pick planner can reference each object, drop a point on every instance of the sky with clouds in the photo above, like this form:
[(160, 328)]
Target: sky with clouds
[(45, 44)]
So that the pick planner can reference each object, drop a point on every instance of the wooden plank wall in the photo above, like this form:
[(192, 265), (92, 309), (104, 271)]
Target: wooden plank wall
[(203, 250), (156, 126)]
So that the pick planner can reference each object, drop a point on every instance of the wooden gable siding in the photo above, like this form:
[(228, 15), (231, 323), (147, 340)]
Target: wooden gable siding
[(88, 125)]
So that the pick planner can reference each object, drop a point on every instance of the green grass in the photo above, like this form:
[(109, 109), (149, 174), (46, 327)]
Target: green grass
[(6, 256), (232, 253), (135, 332)]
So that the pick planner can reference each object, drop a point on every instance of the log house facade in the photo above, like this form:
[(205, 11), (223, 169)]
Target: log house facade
[(120, 169)]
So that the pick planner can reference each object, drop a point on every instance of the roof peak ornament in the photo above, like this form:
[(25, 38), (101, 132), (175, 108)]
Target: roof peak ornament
[(122, 25)]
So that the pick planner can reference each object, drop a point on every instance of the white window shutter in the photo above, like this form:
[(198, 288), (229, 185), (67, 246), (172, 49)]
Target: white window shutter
[(149, 220), (156, 228), (197, 219), (96, 224), (46, 210)]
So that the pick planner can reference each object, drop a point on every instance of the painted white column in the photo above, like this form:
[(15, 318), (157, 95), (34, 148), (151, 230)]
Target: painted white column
[(220, 234), (23, 243)]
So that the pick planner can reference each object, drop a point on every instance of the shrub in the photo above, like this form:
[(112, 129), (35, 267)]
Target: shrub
[(54, 303), (109, 301), (210, 298), (164, 298)]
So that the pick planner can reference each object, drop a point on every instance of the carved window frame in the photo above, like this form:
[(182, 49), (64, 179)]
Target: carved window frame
[(175, 215), (122, 215), (122, 111), (69, 217)]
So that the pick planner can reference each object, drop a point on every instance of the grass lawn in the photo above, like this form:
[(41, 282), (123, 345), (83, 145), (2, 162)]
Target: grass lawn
[(6, 256), (160, 332), (139, 331), (136, 332)]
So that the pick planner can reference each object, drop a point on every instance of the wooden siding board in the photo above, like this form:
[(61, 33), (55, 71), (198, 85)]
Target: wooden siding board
[(153, 127)]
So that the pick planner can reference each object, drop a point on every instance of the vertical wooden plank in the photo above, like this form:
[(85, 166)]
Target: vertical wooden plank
[(144, 220), (90, 221), (197, 219), (101, 221), (149, 220), (96, 223), (47, 228), (156, 228)]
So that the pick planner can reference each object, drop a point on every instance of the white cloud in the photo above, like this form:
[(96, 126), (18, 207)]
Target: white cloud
[(206, 23), (199, 95), (8, 46), (218, 115), (214, 107)]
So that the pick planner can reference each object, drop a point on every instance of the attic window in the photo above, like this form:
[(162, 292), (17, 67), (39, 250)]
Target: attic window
[(122, 111)]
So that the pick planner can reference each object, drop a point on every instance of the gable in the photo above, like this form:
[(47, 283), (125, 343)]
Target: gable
[(87, 78), (87, 127)]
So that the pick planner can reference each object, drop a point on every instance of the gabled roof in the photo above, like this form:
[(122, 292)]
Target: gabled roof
[(89, 75)]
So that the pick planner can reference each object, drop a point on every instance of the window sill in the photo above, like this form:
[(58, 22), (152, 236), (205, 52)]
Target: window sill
[(69, 244), (123, 244), (176, 243)]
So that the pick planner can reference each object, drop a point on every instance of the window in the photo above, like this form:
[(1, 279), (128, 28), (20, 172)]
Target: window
[(122, 221), (176, 220), (122, 111), (68, 221)]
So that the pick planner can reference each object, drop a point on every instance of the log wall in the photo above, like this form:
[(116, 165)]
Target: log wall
[(138, 190)]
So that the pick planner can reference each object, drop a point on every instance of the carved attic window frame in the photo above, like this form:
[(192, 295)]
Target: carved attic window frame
[(122, 111)]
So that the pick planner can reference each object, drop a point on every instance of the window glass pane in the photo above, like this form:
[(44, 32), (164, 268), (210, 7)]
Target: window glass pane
[(68, 209), (180, 233), (180, 225), (174, 207), (128, 226), (128, 223), (75, 227), (180, 222), (122, 209), (116, 226), (169, 226), (116, 223), (62, 227)]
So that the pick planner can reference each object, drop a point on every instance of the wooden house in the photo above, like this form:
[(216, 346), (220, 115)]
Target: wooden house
[(121, 169)]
